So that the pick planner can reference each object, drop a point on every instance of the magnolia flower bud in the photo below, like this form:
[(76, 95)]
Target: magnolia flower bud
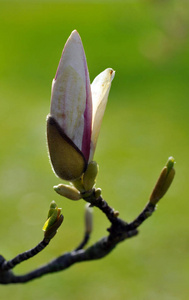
[(76, 112)]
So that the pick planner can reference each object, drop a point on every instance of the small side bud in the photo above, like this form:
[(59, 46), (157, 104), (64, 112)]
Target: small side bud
[(116, 213), (98, 193), (88, 219), (68, 191), (164, 181), (89, 177)]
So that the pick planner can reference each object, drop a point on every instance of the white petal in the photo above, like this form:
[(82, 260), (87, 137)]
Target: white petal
[(68, 100), (100, 88)]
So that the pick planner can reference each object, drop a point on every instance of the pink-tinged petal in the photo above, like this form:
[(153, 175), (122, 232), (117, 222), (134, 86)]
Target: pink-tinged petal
[(87, 125), (100, 88), (71, 102)]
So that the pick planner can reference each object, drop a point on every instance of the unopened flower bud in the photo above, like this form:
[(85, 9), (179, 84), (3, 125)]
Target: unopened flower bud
[(76, 113), (89, 176), (164, 181), (88, 219), (68, 191)]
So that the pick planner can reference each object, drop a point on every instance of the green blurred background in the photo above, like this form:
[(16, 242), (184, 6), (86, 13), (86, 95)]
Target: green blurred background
[(146, 121)]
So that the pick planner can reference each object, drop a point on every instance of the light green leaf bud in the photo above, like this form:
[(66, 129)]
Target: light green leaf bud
[(53, 216), (164, 181), (68, 191), (170, 163), (50, 233), (51, 220), (88, 219), (53, 206), (89, 177)]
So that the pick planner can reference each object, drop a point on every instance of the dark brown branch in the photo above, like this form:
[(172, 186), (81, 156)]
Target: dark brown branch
[(84, 241), (99, 202), (7, 265), (118, 232), (100, 249), (146, 213)]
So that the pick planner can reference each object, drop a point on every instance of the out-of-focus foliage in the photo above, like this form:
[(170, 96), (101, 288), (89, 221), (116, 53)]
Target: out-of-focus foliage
[(146, 121)]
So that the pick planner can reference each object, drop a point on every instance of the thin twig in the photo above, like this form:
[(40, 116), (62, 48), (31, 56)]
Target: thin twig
[(7, 265), (146, 213), (83, 242), (99, 202)]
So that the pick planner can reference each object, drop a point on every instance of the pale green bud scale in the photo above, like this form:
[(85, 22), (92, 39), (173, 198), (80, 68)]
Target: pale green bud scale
[(89, 177), (68, 191)]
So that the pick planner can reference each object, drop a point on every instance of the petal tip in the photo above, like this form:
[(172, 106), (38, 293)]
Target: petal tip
[(75, 36), (111, 73)]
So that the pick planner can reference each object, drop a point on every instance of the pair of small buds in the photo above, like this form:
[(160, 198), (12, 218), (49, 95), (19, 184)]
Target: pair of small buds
[(81, 186), (53, 222), (164, 181)]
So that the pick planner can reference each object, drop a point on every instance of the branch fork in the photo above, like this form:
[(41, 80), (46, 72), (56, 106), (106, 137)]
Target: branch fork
[(118, 231)]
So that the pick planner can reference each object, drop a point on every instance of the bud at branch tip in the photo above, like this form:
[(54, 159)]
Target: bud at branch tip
[(54, 220), (164, 181)]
